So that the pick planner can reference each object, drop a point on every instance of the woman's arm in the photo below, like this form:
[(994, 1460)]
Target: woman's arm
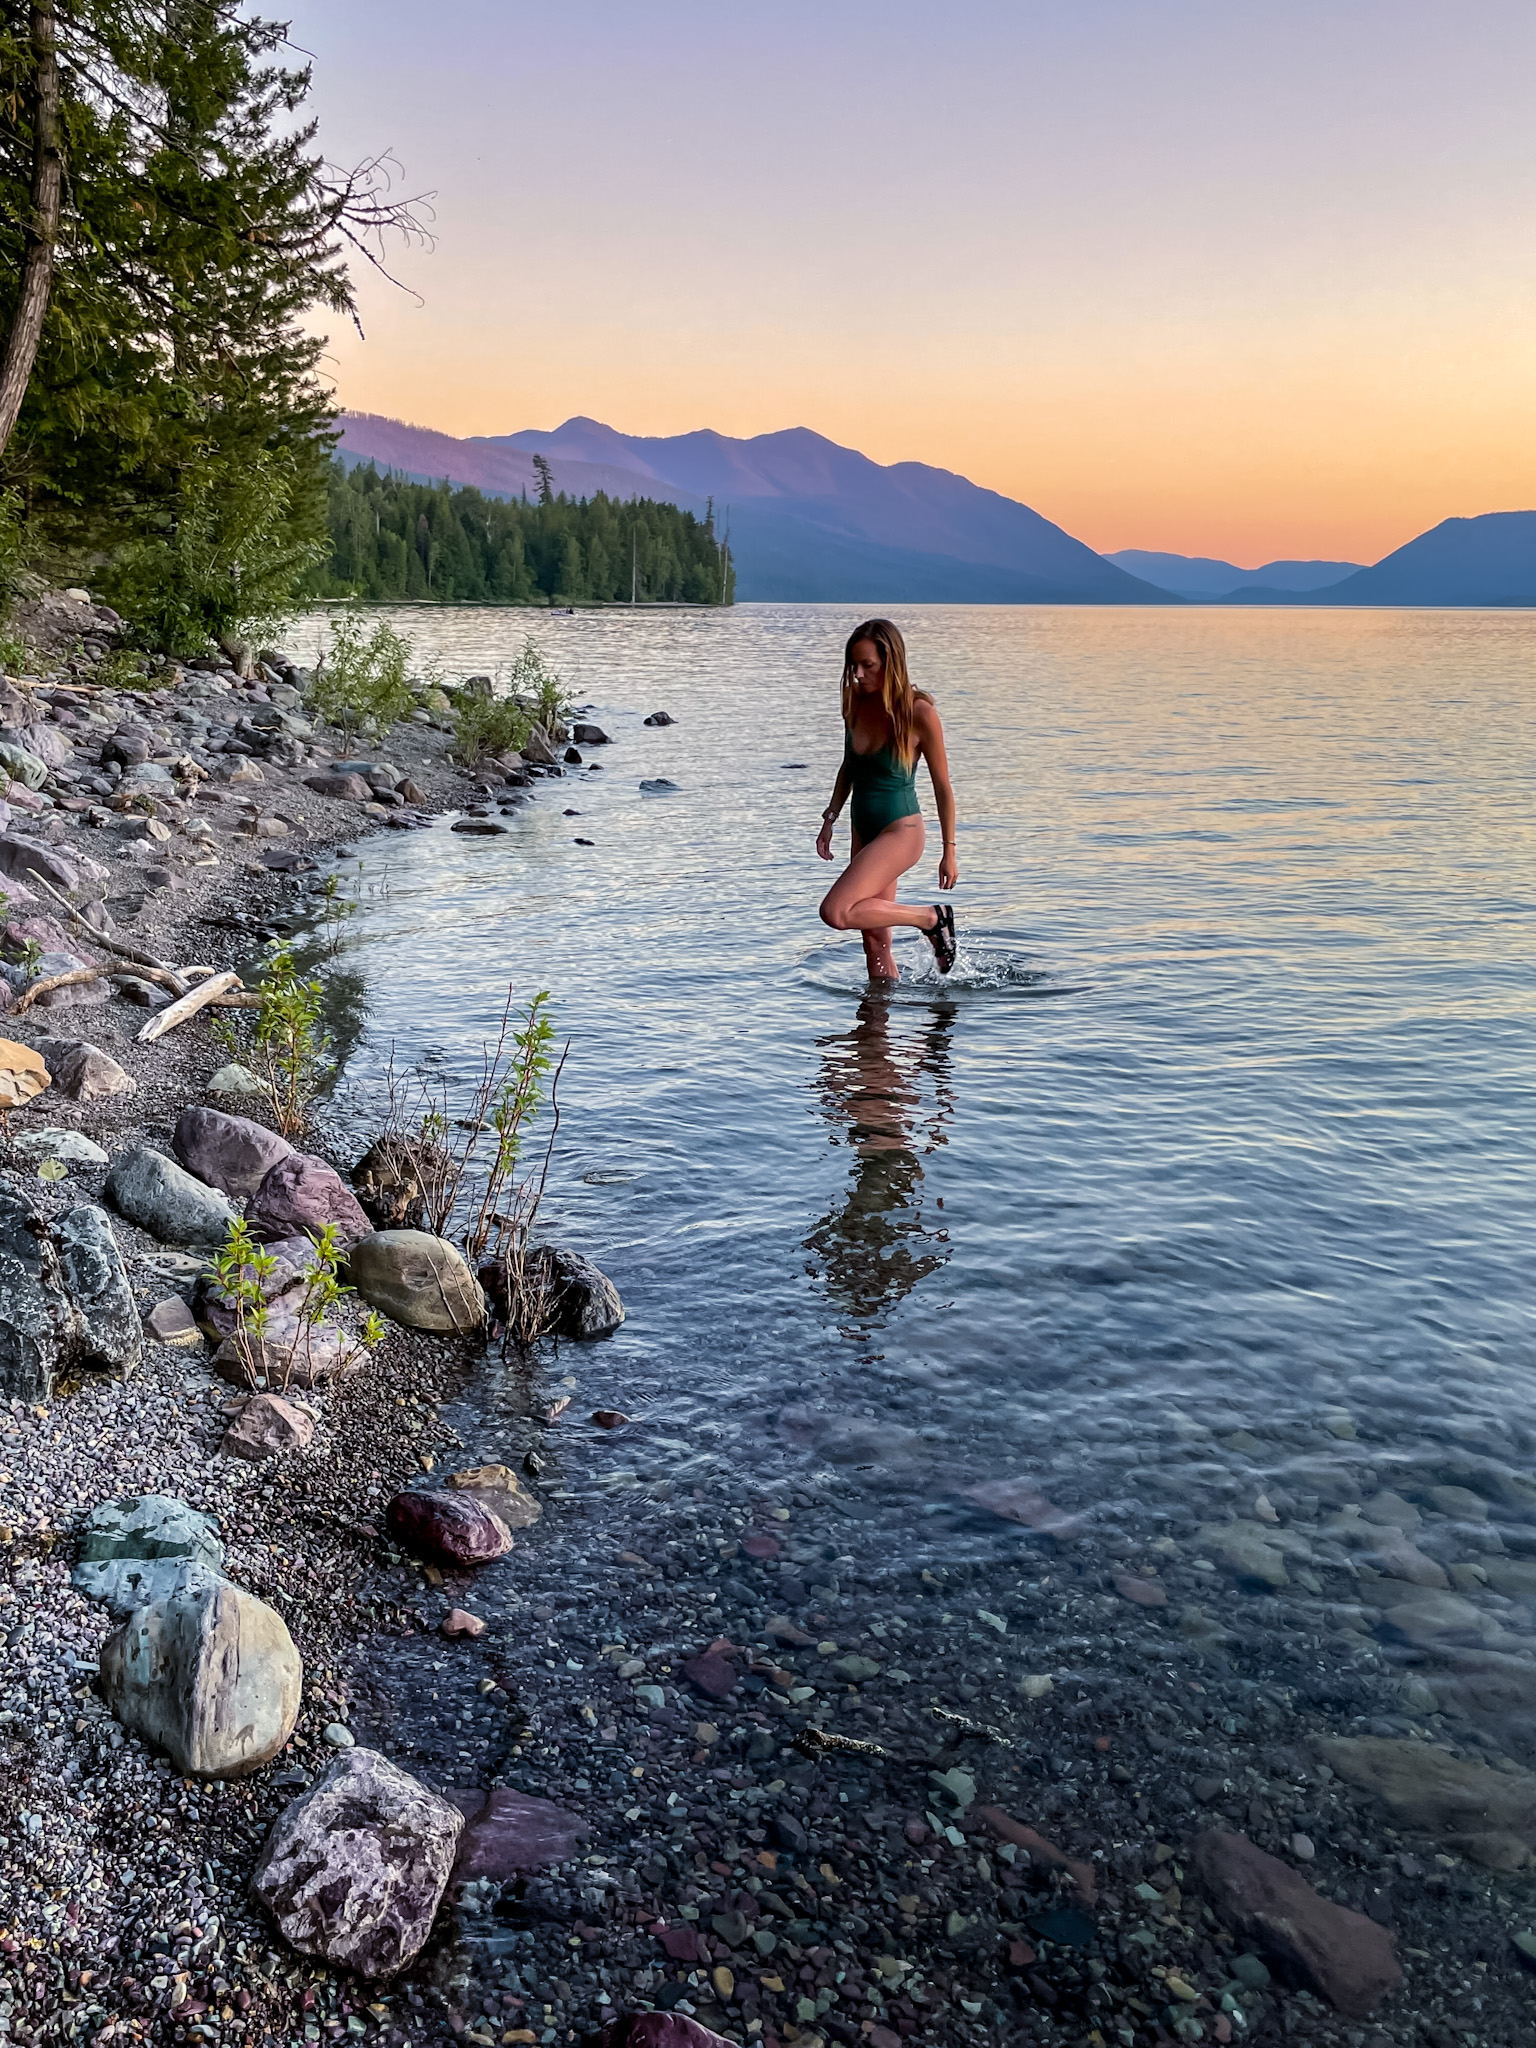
[(930, 741), (829, 815)]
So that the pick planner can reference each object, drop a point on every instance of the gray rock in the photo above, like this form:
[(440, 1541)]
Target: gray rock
[(416, 1279), (480, 828), (228, 1152), (125, 1584), (540, 749), (73, 1147), (210, 1675), (164, 1199), (23, 766), (1252, 1550), (145, 1525), (354, 1869), (83, 1072), (237, 1080), (586, 735), (24, 858), (65, 1299)]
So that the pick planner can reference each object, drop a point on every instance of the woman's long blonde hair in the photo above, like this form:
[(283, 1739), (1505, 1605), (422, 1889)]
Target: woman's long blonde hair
[(897, 695)]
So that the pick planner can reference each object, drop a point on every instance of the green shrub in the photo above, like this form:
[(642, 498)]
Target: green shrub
[(488, 725), (361, 682), (291, 1048), (538, 684)]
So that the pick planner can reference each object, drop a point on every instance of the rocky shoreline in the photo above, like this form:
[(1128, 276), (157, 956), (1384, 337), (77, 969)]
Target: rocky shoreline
[(719, 1752)]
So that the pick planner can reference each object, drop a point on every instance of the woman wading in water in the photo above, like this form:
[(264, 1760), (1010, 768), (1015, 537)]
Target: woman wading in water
[(887, 725)]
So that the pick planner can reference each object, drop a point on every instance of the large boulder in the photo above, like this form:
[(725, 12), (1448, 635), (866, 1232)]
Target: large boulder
[(65, 1298), (1488, 1816), (23, 1073), (354, 1868), (349, 788), (25, 859), (143, 1548), (1306, 1938), (228, 1152), (416, 1279), (446, 1528), (210, 1675), (663, 2030), (82, 1072), (164, 1199), (300, 1196)]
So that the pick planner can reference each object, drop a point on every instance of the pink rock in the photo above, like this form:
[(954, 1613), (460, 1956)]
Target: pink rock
[(302, 1195), (680, 1943), (659, 2030), (266, 1427), (711, 1673), (760, 1546), (1043, 1854), (1310, 1940), (448, 1528), (230, 1153), (459, 1622), (509, 1831)]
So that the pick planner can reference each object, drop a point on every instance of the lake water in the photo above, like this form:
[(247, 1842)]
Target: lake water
[(1204, 1187)]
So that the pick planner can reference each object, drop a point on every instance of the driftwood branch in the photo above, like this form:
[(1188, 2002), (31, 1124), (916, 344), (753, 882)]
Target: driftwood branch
[(196, 999), (47, 986), (173, 980)]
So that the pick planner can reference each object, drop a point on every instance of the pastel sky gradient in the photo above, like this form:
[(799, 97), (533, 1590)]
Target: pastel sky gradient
[(1250, 278)]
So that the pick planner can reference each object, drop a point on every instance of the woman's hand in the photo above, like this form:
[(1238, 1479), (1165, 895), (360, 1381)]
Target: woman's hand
[(824, 839), (949, 869)]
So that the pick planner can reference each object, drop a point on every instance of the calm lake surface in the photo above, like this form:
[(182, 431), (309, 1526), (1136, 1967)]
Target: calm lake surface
[(1206, 1185)]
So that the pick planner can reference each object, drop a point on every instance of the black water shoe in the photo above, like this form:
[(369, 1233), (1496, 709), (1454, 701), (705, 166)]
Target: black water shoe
[(941, 936)]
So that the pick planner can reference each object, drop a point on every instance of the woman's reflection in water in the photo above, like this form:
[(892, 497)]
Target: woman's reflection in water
[(887, 1094)]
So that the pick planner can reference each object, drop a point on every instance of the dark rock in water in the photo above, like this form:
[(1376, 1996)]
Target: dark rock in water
[(658, 786), (287, 860), (354, 1869), (65, 1299), (577, 1300), (572, 758), (507, 1832), (482, 828), (1311, 1941), (301, 1195), (228, 1152), (586, 735), (448, 1528), (392, 1179), (661, 718)]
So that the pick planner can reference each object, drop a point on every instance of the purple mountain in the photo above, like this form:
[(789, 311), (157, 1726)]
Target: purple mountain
[(808, 520)]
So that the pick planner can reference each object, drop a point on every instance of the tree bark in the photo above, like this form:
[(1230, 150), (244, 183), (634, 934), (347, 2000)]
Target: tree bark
[(43, 227)]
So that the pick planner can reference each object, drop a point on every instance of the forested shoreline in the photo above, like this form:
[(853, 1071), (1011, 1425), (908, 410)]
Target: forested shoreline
[(396, 540)]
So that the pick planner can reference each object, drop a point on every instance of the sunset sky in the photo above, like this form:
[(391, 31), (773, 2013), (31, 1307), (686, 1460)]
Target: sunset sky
[(1225, 277)]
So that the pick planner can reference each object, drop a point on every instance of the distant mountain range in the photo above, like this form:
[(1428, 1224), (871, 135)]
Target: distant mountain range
[(817, 523), (1200, 576), (1488, 561), (809, 521)]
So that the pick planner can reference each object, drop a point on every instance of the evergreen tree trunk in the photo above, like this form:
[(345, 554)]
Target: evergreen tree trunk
[(42, 229)]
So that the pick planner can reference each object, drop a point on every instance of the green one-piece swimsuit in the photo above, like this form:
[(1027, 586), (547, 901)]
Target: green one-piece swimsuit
[(881, 789)]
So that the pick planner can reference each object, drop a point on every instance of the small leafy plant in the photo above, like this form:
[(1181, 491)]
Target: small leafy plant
[(361, 683), (241, 1266), (484, 726), (291, 1048)]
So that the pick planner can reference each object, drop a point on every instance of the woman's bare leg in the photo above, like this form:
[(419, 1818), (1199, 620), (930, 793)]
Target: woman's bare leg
[(863, 898)]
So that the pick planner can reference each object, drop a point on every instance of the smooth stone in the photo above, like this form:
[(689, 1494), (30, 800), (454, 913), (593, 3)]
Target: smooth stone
[(266, 1427), (498, 1488), (172, 1322), (711, 1673), (237, 1080), (83, 1072), (661, 718), (301, 1195), (1390, 1510), (854, 1670), (587, 735), (1459, 1502), (677, 2030), (66, 1303), (339, 1735), (164, 1199), (1341, 1955), (24, 1073), (210, 1675), (348, 787), (1514, 1577), (354, 1869), (481, 828), (25, 859), (418, 1280), (458, 1621), (508, 1832), (125, 1584), (1252, 1550), (1142, 1592), (1425, 1617), (448, 1528), (230, 1153), (1480, 1811)]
